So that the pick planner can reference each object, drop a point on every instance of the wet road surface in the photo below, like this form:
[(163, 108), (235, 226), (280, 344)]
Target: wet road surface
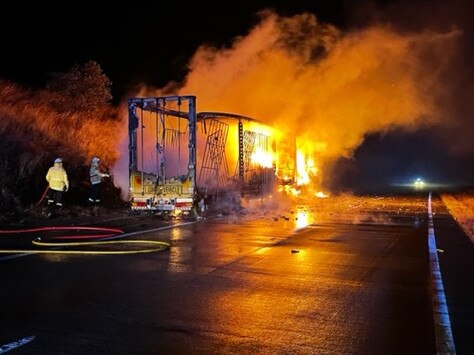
[(340, 277)]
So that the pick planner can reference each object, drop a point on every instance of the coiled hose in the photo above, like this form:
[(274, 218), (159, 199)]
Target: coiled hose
[(151, 245)]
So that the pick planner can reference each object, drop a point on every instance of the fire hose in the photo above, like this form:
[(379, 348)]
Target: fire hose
[(43, 195), (147, 246)]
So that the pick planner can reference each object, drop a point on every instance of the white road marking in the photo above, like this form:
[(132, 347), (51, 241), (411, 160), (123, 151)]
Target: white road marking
[(443, 332), (15, 344)]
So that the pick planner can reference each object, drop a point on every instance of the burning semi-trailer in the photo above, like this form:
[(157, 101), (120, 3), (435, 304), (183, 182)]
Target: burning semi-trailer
[(178, 156)]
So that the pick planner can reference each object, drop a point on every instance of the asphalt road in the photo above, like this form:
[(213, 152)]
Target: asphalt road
[(352, 277)]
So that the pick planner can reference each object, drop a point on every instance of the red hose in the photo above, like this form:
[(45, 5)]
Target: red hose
[(42, 196)]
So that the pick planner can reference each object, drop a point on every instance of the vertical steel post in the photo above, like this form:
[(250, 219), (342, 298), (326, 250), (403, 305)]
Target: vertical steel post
[(192, 119), (132, 134), (241, 151)]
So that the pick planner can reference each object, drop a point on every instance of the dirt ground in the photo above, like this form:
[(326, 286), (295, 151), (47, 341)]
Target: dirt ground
[(461, 207)]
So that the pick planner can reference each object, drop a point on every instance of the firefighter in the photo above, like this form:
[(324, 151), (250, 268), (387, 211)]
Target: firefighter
[(58, 184), (95, 178)]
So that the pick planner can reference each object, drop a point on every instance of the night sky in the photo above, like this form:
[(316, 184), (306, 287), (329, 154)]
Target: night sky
[(151, 42)]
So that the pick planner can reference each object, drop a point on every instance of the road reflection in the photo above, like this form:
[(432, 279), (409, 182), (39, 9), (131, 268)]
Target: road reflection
[(177, 254), (302, 217)]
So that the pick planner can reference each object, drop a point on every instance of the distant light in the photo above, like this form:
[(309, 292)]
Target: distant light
[(419, 183)]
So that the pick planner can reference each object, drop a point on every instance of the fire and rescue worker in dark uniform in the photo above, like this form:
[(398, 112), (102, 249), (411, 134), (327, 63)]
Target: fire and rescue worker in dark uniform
[(58, 184), (95, 178)]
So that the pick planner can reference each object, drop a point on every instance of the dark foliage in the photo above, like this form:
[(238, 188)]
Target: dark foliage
[(38, 126)]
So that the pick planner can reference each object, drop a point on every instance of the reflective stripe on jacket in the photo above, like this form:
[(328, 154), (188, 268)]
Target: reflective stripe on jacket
[(95, 174)]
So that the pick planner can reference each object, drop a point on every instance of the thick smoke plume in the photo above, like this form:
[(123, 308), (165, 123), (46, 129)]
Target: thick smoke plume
[(326, 87)]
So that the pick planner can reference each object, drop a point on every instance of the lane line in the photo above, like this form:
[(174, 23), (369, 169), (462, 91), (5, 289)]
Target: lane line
[(15, 344), (443, 332)]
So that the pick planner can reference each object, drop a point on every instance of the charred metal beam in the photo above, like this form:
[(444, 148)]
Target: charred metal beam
[(204, 115)]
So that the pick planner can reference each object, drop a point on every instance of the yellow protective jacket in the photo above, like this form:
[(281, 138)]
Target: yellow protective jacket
[(57, 178)]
